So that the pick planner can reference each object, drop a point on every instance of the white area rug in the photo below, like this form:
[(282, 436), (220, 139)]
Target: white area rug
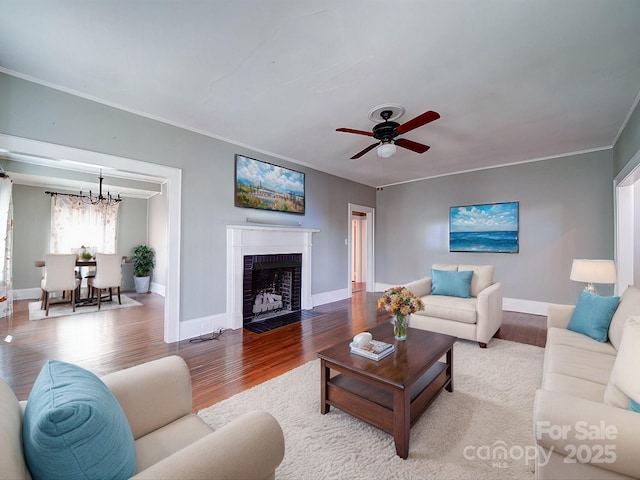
[(65, 308), (489, 412)]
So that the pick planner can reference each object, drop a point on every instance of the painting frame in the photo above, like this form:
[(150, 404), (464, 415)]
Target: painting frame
[(263, 185), (485, 228)]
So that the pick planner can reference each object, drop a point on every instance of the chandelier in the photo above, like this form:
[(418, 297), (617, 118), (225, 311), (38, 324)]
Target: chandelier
[(91, 199)]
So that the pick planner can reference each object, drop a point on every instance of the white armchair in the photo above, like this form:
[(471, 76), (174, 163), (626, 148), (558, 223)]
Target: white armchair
[(476, 318), (170, 441)]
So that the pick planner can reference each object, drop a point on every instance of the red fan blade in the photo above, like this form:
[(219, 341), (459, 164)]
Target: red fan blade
[(410, 145), (370, 147), (420, 120), (351, 130)]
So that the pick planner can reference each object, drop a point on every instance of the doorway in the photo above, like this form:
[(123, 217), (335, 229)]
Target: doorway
[(358, 251), (172, 178), (361, 249), (627, 220)]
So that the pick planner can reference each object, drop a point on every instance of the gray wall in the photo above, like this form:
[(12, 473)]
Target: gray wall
[(566, 212), (37, 112), (32, 221), (628, 144)]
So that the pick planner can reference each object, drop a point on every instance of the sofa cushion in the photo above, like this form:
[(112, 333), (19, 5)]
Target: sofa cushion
[(75, 428), (450, 308), (482, 277), (562, 336), (629, 305), (624, 376), (453, 284), (579, 363), (577, 387), (593, 315)]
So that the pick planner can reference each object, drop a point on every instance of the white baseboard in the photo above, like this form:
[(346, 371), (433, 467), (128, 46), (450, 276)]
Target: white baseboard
[(381, 287), (157, 288), (27, 294), (525, 306), (329, 297), (203, 326)]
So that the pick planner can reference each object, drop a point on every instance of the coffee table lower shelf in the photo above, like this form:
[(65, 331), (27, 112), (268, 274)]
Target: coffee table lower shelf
[(391, 409)]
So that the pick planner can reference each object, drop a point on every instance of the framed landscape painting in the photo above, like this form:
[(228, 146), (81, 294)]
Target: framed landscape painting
[(266, 186), (491, 227)]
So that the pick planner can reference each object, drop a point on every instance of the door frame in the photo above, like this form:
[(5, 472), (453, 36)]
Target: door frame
[(172, 188), (369, 245), (625, 244)]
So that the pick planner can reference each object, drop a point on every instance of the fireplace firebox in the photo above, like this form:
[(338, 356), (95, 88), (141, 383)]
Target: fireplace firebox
[(271, 285)]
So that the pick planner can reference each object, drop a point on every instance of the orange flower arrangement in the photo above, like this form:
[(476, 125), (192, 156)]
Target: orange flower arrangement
[(400, 301)]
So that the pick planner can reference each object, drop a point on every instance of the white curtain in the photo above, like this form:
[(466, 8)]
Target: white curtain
[(75, 224), (6, 247)]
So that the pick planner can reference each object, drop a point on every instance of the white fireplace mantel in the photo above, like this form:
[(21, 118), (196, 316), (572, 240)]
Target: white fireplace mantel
[(264, 240)]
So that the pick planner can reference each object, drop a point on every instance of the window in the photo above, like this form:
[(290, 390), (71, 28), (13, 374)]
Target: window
[(75, 223)]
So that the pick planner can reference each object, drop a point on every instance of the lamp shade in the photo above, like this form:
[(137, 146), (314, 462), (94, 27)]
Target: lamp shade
[(386, 150), (593, 271)]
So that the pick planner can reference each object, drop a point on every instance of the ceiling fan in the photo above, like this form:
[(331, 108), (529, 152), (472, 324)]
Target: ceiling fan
[(387, 131)]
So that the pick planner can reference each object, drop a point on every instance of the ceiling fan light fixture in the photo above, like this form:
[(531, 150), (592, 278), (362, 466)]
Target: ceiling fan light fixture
[(386, 149)]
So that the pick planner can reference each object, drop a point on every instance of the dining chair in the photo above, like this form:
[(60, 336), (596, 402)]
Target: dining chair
[(108, 275), (59, 276)]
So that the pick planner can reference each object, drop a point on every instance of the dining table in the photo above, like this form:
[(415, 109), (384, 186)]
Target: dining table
[(79, 263)]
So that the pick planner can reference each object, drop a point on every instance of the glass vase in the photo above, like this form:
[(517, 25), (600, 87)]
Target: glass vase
[(400, 327)]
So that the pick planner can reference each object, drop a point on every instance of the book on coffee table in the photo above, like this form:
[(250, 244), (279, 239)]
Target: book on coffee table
[(375, 349)]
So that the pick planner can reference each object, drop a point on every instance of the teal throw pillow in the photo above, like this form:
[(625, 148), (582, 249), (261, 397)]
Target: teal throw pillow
[(452, 284), (593, 315), (74, 428), (634, 406)]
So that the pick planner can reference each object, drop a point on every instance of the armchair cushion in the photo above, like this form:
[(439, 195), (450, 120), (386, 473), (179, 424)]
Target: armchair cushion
[(481, 279), (451, 308), (452, 284), (73, 427), (593, 315)]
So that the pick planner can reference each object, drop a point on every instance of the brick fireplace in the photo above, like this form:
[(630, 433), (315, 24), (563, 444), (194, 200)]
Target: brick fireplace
[(271, 285), (273, 242)]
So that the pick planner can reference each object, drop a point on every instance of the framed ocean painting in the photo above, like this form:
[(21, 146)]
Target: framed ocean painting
[(491, 227), (266, 186)]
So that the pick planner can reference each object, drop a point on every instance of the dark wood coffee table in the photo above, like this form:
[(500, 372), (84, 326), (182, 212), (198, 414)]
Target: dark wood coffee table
[(391, 393)]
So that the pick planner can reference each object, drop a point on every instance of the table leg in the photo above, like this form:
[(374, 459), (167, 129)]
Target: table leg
[(449, 386), (401, 421), (324, 378)]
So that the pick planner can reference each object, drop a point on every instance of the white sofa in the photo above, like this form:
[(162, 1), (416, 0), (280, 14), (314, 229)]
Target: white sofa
[(574, 402), (477, 318), (170, 441)]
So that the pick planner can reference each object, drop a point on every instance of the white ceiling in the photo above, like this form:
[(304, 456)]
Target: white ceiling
[(513, 80)]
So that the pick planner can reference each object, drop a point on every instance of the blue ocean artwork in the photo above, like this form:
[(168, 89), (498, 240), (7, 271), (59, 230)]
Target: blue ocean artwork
[(484, 228)]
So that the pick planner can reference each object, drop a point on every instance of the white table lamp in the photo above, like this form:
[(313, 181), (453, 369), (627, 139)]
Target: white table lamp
[(593, 271)]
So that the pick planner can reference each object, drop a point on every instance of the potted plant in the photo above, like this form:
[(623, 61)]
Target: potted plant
[(143, 263), (86, 255)]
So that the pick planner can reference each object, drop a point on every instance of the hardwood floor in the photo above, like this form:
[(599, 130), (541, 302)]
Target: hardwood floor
[(112, 340)]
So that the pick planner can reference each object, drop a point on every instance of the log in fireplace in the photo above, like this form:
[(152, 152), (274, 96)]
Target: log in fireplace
[(271, 285)]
